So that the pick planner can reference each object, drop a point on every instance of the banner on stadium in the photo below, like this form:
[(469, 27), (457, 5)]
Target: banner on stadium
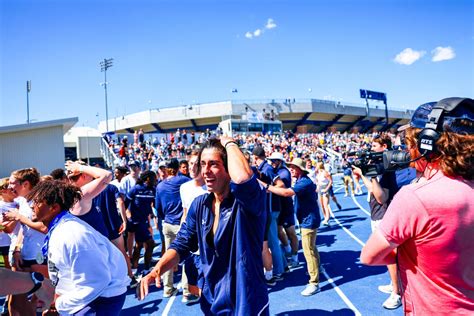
[(255, 117)]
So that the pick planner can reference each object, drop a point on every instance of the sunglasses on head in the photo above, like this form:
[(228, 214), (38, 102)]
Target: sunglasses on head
[(74, 178)]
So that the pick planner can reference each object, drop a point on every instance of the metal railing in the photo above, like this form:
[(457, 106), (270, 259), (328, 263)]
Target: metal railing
[(110, 158)]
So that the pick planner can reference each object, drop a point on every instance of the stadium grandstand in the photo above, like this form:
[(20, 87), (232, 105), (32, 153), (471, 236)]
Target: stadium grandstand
[(296, 115)]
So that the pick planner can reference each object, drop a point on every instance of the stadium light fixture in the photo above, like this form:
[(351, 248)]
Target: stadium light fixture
[(104, 65)]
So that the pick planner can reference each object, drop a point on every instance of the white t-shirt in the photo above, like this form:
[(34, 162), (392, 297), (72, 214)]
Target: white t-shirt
[(83, 265), (5, 239), (116, 183), (33, 240), (189, 191), (127, 183)]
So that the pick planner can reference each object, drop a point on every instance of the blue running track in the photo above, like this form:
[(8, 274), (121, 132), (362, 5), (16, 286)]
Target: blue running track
[(346, 286)]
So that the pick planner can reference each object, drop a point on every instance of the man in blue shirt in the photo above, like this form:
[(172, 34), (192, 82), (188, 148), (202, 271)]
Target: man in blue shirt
[(227, 226), (286, 219), (307, 212), (269, 176), (170, 209), (139, 202)]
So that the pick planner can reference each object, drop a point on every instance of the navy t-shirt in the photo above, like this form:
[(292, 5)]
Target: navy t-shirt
[(268, 175), (95, 219), (139, 200), (387, 181), (106, 201), (168, 200), (306, 203), (286, 202)]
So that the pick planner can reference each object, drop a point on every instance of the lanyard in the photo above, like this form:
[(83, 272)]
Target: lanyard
[(51, 227)]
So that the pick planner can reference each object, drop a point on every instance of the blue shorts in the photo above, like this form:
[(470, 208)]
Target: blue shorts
[(140, 229), (286, 219)]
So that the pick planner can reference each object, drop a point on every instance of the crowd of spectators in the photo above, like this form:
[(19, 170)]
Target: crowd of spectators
[(326, 147)]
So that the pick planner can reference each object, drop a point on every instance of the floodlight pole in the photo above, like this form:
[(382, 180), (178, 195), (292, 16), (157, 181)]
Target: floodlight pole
[(104, 65), (28, 89)]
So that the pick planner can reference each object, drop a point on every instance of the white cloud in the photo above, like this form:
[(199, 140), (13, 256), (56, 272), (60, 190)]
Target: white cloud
[(258, 32), (270, 24), (408, 56), (442, 53)]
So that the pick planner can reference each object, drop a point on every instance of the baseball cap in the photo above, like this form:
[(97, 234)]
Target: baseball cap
[(162, 163), (419, 117), (173, 163), (134, 163), (456, 119), (456, 110), (258, 151)]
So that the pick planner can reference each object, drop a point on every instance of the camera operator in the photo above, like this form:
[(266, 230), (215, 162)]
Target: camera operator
[(430, 222), (381, 189)]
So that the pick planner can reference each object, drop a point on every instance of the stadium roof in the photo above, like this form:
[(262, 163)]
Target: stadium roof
[(308, 115)]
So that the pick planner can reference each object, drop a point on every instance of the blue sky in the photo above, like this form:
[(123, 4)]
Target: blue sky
[(178, 52)]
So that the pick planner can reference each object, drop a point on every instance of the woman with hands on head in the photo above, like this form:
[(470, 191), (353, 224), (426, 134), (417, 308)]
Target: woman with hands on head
[(227, 226), (92, 181)]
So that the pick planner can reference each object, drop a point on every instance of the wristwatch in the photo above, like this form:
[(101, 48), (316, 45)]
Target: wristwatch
[(37, 279)]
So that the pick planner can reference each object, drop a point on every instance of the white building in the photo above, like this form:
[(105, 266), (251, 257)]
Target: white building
[(39, 145)]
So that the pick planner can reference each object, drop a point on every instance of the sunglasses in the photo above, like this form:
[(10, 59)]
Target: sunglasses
[(74, 178)]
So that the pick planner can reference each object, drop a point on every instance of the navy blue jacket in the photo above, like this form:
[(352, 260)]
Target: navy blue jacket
[(168, 201), (234, 282)]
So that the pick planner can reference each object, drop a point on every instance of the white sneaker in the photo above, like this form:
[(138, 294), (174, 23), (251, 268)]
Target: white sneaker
[(310, 289), (386, 288), (393, 301)]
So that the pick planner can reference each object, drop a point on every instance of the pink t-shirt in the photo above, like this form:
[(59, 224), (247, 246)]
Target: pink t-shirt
[(433, 224)]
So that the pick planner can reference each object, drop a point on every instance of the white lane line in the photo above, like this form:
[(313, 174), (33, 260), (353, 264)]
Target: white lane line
[(170, 302), (340, 293), (360, 206), (339, 189), (360, 242)]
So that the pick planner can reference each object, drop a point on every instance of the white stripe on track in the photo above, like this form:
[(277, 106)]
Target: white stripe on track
[(171, 301), (360, 206), (340, 293), (360, 242)]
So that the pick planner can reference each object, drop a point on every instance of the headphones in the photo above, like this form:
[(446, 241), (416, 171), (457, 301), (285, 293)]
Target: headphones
[(431, 133)]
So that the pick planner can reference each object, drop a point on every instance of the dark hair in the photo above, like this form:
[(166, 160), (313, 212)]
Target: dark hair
[(56, 191), (146, 175), (214, 143), (121, 169), (58, 174), (4, 183), (455, 152), (30, 174), (383, 140)]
